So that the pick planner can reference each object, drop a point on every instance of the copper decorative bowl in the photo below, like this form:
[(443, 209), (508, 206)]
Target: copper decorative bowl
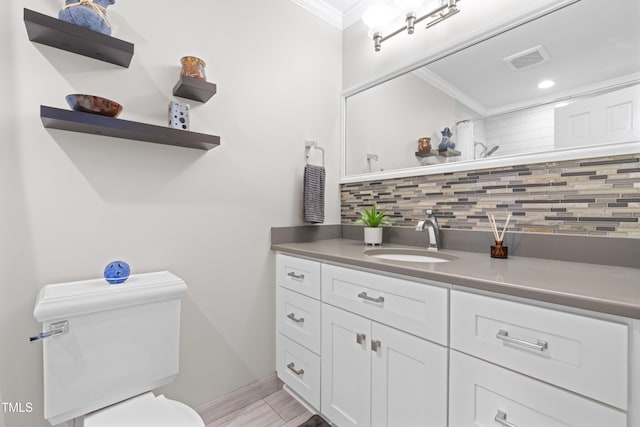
[(94, 104)]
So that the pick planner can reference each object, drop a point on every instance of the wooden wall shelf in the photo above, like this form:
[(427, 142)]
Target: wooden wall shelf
[(75, 121), (54, 32), (424, 154), (190, 88), (449, 152)]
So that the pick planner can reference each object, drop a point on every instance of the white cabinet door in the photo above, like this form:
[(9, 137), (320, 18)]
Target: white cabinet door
[(298, 317), (409, 380), (485, 395), (346, 367), (299, 368), (579, 353), (298, 274), (417, 308)]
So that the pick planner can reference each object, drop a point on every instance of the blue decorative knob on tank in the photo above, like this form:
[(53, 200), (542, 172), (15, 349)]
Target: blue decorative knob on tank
[(117, 272)]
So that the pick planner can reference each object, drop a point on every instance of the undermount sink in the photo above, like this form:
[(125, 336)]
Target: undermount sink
[(409, 255)]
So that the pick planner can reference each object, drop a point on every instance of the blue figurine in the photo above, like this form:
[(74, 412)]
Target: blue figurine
[(88, 14), (446, 142), (117, 272)]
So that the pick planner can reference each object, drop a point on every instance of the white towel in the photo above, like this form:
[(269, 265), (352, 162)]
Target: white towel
[(313, 203)]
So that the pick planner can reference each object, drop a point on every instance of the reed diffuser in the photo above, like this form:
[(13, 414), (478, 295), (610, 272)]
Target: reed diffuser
[(498, 250)]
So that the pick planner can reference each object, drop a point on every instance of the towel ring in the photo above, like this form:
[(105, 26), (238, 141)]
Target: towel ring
[(313, 144)]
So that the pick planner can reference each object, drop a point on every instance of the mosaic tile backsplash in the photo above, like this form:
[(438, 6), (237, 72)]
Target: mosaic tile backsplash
[(598, 196)]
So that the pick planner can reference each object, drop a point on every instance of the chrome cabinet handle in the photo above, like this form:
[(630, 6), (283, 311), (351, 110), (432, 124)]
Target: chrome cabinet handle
[(360, 338), (504, 336), (366, 297), (293, 317), (57, 328), (375, 345), (292, 368), (295, 276), (501, 418)]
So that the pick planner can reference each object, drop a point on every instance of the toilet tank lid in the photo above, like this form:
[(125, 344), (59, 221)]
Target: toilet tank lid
[(60, 300)]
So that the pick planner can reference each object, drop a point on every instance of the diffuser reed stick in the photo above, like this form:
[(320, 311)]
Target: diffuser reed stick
[(494, 227), (506, 224)]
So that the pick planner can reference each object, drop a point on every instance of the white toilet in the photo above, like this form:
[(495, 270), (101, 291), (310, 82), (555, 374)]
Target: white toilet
[(106, 346)]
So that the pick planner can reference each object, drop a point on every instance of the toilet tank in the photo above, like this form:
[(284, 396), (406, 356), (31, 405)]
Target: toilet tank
[(122, 340)]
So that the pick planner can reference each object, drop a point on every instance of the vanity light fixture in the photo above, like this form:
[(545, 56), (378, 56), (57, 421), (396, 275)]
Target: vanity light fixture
[(379, 15)]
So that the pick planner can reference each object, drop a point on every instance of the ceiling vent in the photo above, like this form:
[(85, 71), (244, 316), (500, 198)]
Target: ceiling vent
[(527, 58)]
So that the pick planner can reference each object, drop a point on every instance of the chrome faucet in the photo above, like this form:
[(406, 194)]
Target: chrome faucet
[(431, 223)]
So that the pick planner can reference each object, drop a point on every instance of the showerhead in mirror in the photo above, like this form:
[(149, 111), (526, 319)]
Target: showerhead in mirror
[(491, 150), (486, 151)]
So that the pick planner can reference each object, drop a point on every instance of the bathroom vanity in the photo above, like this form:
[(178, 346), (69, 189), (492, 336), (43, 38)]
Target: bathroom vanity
[(368, 341)]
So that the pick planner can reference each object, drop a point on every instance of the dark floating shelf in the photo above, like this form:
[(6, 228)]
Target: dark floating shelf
[(449, 152), (424, 154), (75, 121), (54, 32), (190, 88)]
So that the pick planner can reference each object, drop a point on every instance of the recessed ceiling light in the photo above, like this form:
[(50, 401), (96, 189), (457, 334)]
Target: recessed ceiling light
[(546, 84)]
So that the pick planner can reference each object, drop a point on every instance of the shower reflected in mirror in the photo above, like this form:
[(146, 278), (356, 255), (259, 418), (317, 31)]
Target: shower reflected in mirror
[(485, 152)]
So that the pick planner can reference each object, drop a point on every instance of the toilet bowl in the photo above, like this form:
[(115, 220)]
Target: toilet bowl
[(145, 410)]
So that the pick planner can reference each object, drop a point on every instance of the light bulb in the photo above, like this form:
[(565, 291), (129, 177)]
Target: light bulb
[(377, 16)]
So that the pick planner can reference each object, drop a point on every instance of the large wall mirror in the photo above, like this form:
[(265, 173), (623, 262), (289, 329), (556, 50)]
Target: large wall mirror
[(487, 94)]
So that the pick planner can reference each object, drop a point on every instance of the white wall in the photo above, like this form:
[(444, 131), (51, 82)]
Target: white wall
[(73, 202)]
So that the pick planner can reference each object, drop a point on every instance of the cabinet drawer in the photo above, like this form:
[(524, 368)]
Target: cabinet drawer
[(582, 354), (299, 369), (480, 392), (297, 274), (413, 307), (298, 317)]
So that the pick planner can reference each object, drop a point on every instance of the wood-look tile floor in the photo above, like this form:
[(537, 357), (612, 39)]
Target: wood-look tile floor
[(277, 409), (267, 406)]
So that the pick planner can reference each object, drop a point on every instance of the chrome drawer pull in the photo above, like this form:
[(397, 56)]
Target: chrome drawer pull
[(293, 317), (360, 338), (298, 372), (375, 345), (295, 276), (504, 336), (366, 297), (501, 418)]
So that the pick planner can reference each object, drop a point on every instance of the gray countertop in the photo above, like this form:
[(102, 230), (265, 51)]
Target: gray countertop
[(602, 288)]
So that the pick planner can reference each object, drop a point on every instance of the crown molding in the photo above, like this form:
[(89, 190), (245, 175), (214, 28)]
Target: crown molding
[(451, 90), (322, 10), (354, 14)]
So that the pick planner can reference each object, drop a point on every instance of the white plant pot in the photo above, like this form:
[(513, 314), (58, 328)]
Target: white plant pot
[(373, 235)]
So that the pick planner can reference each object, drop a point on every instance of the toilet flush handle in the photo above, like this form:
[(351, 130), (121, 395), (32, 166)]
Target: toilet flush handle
[(57, 328)]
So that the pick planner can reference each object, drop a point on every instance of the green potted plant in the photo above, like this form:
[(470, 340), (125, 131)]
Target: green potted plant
[(373, 219)]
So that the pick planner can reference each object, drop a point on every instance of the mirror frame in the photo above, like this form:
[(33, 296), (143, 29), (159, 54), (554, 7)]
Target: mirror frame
[(586, 152)]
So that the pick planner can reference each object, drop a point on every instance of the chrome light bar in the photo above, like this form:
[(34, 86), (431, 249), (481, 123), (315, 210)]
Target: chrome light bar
[(439, 14)]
